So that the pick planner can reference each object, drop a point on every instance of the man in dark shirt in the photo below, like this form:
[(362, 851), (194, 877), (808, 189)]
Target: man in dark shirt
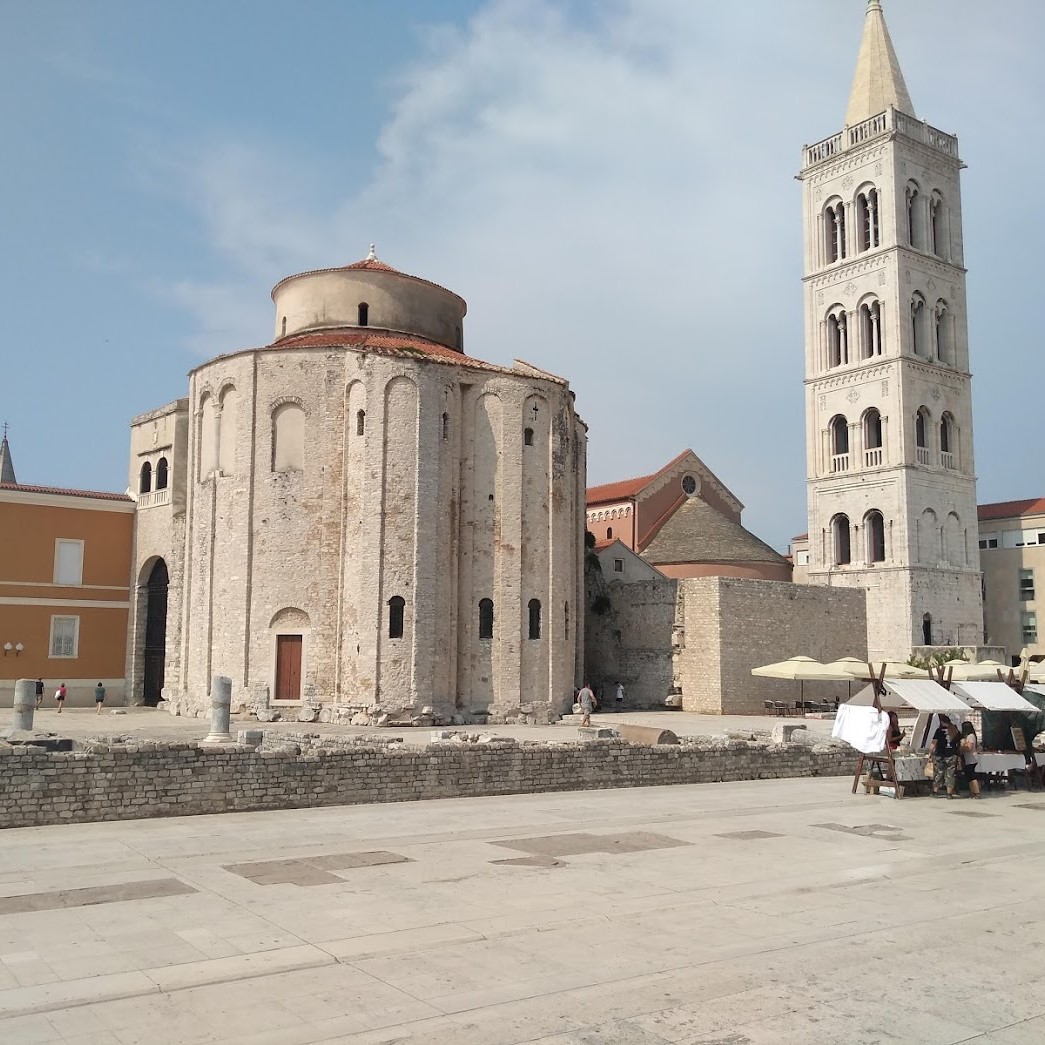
[(944, 752)]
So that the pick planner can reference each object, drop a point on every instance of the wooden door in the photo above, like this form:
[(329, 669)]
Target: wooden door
[(288, 667)]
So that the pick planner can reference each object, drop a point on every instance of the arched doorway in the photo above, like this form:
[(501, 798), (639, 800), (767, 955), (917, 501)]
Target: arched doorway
[(155, 652), (927, 629)]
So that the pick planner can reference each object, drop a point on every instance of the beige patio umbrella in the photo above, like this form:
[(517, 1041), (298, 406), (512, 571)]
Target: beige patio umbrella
[(893, 670), (984, 671), (845, 666), (800, 670)]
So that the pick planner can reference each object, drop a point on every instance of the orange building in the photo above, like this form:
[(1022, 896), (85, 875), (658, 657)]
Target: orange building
[(65, 563)]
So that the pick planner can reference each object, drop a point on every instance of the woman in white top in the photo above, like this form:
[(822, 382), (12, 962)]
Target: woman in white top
[(970, 751)]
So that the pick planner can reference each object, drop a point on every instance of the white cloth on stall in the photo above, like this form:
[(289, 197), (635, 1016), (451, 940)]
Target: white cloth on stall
[(861, 727)]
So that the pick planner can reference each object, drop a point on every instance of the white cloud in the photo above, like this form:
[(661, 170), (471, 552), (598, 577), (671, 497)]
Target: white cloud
[(614, 199)]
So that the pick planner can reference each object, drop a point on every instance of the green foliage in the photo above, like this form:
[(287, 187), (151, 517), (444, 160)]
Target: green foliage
[(940, 657)]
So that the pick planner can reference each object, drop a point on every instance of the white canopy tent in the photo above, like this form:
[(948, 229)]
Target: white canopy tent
[(992, 696), (918, 694)]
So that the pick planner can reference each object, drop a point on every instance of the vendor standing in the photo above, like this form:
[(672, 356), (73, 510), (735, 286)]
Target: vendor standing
[(944, 753), (970, 749)]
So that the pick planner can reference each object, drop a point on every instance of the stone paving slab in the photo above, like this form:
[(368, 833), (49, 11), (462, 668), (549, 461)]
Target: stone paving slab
[(740, 914)]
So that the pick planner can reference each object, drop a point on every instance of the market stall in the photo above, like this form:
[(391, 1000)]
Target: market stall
[(861, 717), (1004, 747)]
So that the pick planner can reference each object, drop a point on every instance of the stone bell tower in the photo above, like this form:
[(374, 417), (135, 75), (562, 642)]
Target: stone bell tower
[(889, 442)]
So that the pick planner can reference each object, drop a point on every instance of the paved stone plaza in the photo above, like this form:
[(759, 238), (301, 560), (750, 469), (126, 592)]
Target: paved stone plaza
[(722, 914)]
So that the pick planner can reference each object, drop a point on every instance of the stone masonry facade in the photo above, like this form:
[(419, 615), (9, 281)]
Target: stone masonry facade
[(135, 781), (733, 625)]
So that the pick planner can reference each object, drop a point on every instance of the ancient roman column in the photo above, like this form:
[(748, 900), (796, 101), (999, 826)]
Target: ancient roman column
[(220, 711), (24, 705)]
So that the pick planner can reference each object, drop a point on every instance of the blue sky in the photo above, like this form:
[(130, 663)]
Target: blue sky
[(609, 185)]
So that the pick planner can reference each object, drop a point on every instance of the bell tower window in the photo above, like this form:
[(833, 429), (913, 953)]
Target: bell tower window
[(364, 314)]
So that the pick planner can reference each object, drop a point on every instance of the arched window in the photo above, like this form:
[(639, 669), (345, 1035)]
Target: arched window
[(161, 474), (283, 327), (837, 338), (834, 231), (360, 422), (921, 435), (871, 329), (364, 314), (927, 629), (918, 332), (840, 540), (486, 618), (566, 620), (609, 532), (458, 339), (867, 219), (948, 442), (914, 232), (288, 438), (528, 436), (944, 345), (535, 618), (145, 478), (874, 532), (872, 438), (396, 614), (446, 427), (937, 225), (839, 430)]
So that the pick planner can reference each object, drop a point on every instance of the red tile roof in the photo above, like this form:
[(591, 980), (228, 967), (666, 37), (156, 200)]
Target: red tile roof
[(626, 488), (404, 346), (22, 488), (618, 491), (1011, 509)]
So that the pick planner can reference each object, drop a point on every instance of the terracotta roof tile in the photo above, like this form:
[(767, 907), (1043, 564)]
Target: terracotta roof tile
[(23, 488), (1011, 509), (405, 346), (617, 491), (629, 487)]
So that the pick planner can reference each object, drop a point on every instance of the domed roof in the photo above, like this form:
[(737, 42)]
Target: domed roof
[(371, 263)]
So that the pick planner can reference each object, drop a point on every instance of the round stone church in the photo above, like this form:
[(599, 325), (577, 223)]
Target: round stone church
[(359, 518)]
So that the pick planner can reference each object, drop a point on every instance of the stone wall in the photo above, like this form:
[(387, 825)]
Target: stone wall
[(629, 639), (733, 625), (132, 781)]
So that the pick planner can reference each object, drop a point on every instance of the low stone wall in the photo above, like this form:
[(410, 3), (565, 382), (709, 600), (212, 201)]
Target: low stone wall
[(136, 780)]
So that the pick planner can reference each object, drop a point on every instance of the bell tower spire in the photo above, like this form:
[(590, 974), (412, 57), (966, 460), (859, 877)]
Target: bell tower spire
[(878, 84), (7, 469)]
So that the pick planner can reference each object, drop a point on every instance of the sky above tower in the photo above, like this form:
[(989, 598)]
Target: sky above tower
[(608, 183)]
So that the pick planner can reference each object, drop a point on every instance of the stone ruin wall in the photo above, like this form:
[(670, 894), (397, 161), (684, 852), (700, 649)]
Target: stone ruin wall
[(128, 781)]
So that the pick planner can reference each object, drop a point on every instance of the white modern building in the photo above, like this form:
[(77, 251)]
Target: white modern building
[(891, 481)]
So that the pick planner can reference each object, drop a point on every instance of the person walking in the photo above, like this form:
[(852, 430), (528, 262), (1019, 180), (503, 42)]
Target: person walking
[(970, 754), (99, 698), (944, 753), (620, 697), (586, 699), (59, 697), (39, 693)]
